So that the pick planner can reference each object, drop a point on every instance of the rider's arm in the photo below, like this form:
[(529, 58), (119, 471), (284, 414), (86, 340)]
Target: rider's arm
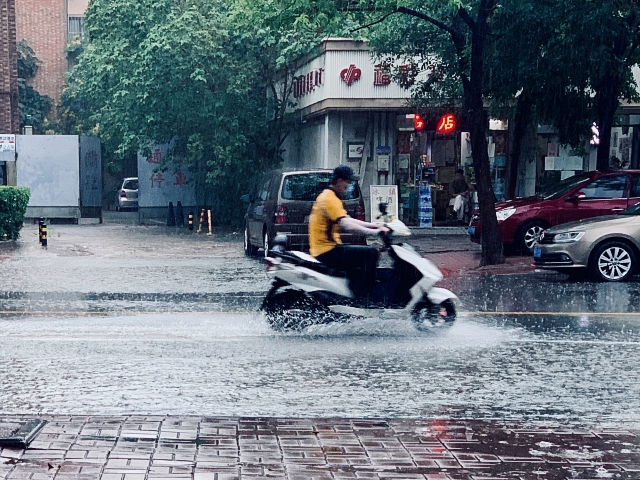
[(358, 226)]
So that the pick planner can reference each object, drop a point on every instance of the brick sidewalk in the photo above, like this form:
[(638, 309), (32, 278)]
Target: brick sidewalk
[(199, 448), (455, 255)]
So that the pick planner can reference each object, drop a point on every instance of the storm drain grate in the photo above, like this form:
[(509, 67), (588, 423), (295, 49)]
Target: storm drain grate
[(20, 434)]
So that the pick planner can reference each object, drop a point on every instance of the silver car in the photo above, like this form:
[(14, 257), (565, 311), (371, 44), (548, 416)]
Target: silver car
[(127, 194), (606, 248)]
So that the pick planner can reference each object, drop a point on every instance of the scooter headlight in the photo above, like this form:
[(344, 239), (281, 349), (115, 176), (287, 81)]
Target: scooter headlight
[(505, 213)]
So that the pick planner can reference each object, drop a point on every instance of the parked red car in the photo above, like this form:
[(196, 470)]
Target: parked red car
[(586, 195)]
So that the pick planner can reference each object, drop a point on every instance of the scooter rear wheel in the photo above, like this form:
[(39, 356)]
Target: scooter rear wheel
[(292, 310), (429, 316)]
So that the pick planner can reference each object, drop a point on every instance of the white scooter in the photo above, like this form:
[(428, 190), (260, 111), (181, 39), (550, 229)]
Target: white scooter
[(305, 292)]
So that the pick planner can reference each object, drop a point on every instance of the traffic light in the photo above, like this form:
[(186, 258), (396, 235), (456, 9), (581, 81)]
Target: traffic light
[(418, 122)]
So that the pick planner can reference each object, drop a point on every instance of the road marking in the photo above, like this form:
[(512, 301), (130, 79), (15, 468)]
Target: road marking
[(561, 314)]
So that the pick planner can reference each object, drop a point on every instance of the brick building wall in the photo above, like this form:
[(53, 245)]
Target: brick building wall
[(43, 23), (9, 115)]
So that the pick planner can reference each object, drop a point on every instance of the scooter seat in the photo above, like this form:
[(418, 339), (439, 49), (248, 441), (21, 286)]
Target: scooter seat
[(311, 264), (322, 268)]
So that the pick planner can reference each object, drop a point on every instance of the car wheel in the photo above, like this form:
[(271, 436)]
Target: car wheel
[(249, 250), (265, 244), (529, 235), (613, 262)]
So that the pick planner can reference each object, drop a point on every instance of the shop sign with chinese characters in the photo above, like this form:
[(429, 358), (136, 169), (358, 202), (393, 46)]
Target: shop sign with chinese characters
[(383, 194), (304, 84), (7, 148), (447, 123), (381, 75)]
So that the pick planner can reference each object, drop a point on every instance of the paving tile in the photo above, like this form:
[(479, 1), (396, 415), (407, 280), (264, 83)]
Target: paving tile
[(132, 448)]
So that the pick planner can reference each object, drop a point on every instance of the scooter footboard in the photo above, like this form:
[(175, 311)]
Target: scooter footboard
[(439, 295)]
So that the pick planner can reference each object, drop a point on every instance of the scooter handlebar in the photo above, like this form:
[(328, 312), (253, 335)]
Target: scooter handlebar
[(386, 237)]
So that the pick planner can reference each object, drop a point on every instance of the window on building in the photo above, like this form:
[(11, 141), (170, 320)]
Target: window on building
[(76, 28)]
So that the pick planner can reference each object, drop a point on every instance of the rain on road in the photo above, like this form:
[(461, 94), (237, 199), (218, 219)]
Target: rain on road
[(152, 328)]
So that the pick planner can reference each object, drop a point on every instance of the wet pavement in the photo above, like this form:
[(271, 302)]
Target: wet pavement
[(143, 349), (216, 448)]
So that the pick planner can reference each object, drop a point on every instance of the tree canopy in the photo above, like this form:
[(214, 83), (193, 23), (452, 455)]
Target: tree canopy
[(34, 107), (200, 74), (214, 77)]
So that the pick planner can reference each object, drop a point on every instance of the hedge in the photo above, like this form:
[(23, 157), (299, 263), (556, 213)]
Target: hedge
[(13, 206)]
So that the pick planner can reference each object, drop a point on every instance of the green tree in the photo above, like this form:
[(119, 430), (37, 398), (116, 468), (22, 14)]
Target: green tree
[(536, 76), (452, 37), (571, 63), (167, 71), (34, 107), (610, 32)]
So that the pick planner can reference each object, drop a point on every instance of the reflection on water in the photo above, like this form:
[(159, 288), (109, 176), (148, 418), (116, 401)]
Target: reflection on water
[(547, 293), (577, 327)]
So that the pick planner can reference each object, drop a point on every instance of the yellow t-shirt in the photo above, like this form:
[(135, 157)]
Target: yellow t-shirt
[(323, 222)]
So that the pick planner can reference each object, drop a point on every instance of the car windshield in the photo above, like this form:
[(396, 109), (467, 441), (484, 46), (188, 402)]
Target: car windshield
[(559, 189), (308, 186), (635, 210)]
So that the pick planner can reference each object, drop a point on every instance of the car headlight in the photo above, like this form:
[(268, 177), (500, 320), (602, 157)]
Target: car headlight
[(567, 237), (505, 213)]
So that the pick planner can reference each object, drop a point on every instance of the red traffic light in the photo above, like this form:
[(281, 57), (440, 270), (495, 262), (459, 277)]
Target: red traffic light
[(418, 122)]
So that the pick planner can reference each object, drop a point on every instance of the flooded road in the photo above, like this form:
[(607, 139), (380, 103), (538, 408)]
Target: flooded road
[(180, 335), (233, 364)]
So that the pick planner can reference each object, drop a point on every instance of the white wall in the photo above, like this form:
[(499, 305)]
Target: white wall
[(49, 165), (157, 188)]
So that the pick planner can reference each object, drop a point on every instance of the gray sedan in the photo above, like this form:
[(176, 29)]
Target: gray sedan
[(606, 248)]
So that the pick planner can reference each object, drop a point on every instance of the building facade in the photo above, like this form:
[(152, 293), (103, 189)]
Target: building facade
[(351, 112), (9, 113), (49, 26)]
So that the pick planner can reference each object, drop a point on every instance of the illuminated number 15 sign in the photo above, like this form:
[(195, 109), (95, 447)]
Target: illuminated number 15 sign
[(447, 123)]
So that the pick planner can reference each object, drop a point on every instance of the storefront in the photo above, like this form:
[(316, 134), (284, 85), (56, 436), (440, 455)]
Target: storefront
[(351, 112)]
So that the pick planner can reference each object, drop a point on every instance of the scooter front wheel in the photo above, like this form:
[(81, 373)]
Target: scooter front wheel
[(292, 310), (428, 316)]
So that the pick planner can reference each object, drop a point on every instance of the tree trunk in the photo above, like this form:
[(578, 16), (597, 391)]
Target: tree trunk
[(521, 121), (492, 252), (607, 104)]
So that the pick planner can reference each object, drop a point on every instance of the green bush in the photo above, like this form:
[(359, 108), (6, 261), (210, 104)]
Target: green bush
[(13, 206)]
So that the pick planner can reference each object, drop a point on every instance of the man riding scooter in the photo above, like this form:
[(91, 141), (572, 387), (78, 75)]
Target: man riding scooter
[(327, 217)]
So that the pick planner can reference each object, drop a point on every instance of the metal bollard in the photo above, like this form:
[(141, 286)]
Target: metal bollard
[(171, 216), (191, 221), (179, 215), (40, 224), (201, 221), (44, 235), (209, 215)]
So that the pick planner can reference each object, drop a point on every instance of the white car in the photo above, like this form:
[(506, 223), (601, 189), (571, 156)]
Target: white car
[(127, 194)]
